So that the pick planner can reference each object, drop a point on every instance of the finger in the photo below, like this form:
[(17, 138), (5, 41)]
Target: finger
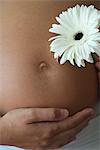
[(75, 130), (63, 139), (80, 127), (66, 137), (45, 114), (74, 121), (60, 143), (98, 65), (80, 117)]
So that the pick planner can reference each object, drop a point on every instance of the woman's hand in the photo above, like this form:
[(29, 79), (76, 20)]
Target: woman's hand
[(46, 128)]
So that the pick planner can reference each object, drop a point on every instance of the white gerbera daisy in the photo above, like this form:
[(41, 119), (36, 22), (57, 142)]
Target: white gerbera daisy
[(77, 35)]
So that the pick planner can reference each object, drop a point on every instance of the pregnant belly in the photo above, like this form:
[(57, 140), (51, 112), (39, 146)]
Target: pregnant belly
[(29, 75), (47, 85)]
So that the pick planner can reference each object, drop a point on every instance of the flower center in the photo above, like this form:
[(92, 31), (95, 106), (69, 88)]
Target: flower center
[(78, 36)]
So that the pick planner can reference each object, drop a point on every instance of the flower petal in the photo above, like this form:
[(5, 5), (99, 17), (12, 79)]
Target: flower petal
[(66, 56), (57, 29), (77, 19)]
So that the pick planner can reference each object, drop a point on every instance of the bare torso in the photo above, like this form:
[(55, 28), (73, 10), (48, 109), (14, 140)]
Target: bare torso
[(29, 75)]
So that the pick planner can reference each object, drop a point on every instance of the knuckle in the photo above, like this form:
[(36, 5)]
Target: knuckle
[(55, 113), (29, 114), (32, 114)]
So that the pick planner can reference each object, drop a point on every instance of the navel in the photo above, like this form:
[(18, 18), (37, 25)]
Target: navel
[(43, 66)]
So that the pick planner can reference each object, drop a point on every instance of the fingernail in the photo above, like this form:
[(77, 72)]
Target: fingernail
[(64, 113)]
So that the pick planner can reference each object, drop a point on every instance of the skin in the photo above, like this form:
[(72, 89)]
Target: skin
[(30, 76), (25, 118), (76, 122), (23, 127)]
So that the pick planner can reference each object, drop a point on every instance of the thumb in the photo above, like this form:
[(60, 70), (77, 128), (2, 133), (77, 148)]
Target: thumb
[(45, 114)]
